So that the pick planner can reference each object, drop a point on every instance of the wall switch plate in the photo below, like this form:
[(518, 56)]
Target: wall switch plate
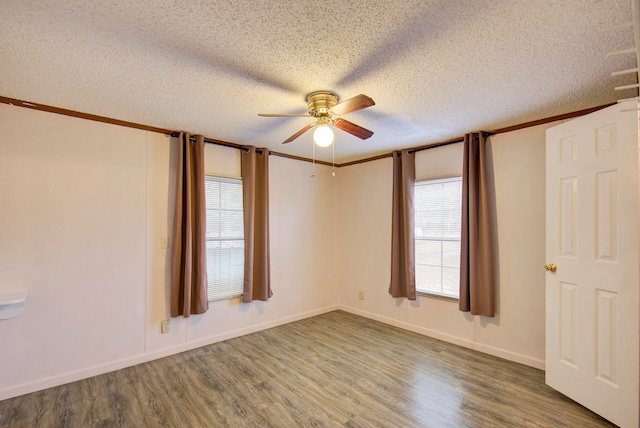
[(361, 294), (165, 327), (164, 243)]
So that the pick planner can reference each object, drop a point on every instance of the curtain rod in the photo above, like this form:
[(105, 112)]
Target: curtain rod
[(445, 143), (564, 116), (223, 143), (246, 148), (170, 132), (208, 140)]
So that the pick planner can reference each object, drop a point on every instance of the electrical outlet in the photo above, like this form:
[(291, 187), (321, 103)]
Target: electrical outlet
[(165, 327), (361, 294)]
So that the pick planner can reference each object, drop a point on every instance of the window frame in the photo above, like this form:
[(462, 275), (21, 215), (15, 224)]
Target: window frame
[(233, 180), (426, 293)]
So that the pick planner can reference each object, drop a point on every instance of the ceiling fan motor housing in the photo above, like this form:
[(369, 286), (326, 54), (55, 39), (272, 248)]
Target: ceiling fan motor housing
[(321, 102)]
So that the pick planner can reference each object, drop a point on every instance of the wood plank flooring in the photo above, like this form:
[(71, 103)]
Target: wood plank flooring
[(333, 370)]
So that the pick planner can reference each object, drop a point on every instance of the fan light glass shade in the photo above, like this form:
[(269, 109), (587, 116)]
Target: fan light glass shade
[(323, 136)]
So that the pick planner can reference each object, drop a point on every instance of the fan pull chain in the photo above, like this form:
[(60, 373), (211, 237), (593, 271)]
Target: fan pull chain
[(313, 172), (333, 159)]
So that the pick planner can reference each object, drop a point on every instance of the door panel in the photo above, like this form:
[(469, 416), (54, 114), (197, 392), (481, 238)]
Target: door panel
[(568, 224), (568, 322), (592, 236)]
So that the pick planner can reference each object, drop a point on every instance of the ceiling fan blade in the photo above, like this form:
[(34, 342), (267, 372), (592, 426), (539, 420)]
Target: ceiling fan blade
[(352, 128), (284, 115), (299, 133), (353, 104)]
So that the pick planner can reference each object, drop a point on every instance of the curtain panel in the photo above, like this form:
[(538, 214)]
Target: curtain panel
[(403, 275), (188, 248), (255, 195), (477, 292)]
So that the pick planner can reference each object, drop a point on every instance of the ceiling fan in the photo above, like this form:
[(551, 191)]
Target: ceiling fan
[(324, 107)]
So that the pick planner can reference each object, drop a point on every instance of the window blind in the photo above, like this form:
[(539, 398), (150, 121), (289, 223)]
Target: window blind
[(437, 207), (225, 237)]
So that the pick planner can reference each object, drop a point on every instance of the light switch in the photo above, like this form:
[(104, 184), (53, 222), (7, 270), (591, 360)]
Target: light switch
[(164, 242)]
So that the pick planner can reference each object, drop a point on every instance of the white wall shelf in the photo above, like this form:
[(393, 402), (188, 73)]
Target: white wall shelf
[(12, 303)]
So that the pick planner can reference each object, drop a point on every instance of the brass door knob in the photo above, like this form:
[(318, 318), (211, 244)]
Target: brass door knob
[(550, 267)]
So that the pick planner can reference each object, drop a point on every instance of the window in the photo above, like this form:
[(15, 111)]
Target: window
[(225, 237), (437, 236)]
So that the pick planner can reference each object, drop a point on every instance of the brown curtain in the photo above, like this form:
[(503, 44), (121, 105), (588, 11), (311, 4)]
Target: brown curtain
[(476, 254), (403, 275), (188, 249), (255, 194)]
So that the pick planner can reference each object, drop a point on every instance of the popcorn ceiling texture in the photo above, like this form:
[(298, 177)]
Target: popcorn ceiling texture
[(437, 69)]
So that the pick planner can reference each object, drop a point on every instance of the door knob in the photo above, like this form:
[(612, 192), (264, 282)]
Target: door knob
[(550, 267)]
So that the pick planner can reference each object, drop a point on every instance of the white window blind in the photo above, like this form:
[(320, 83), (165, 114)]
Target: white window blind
[(225, 237), (437, 205)]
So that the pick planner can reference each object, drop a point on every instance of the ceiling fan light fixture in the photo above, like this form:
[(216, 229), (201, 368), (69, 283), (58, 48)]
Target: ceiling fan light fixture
[(323, 136)]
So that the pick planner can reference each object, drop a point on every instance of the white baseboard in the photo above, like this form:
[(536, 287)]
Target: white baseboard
[(487, 349), (87, 372)]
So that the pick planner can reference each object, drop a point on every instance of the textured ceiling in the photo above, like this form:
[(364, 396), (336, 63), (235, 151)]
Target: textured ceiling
[(436, 69)]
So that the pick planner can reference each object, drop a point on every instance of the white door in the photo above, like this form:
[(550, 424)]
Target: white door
[(592, 323)]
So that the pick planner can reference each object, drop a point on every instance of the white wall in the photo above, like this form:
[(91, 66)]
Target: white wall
[(83, 210), (84, 207), (72, 233), (517, 330)]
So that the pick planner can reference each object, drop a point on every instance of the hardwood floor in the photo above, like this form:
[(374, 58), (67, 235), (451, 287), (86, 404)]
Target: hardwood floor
[(333, 370)]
